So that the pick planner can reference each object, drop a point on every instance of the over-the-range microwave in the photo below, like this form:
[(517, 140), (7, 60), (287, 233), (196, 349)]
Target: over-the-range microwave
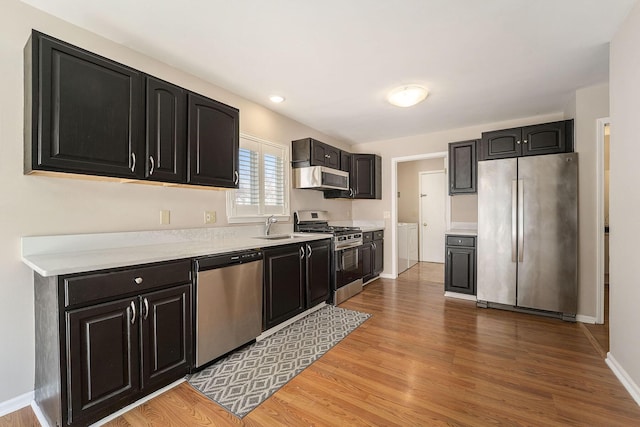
[(320, 178)]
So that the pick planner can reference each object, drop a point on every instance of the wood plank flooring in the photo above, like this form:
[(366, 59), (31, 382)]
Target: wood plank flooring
[(425, 360)]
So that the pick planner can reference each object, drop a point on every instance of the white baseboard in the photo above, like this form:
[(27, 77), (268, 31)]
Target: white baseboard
[(388, 276), (624, 378), (460, 296), (585, 319), (16, 403), (39, 415)]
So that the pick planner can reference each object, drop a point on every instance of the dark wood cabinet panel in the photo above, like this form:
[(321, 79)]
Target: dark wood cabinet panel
[(460, 265), (166, 130), (86, 112), (102, 352), (546, 138), (284, 279), (378, 257), (367, 176), (166, 335), (372, 253), (463, 167), (318, 272), (213, 142), (367, 261), (311, 152), (345, 161)]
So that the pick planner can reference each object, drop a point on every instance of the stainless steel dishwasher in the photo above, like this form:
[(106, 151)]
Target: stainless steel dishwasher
[(228, 309)]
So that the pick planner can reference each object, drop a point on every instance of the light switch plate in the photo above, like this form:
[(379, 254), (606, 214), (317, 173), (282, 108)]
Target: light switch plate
[(209, 217), (165, 217)]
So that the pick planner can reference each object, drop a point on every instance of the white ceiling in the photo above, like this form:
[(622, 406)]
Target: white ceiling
[(335, 60)]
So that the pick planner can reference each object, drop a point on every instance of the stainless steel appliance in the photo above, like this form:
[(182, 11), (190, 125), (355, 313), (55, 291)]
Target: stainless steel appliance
[(347, 263), (320, 178), (528, 234), (228, 303)]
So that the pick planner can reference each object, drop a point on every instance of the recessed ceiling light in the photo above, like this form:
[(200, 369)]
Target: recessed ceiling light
[(276, 98), (407, 95)]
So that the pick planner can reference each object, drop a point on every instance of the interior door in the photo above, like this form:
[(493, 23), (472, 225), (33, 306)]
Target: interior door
[(432, 216)]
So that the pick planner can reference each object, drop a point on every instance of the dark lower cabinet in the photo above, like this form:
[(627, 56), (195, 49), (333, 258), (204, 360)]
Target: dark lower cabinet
[(463, 167), (84, 113), (372, 253), (106, 339), (545, 138), (296, 277), (460, 264), (213, 143)]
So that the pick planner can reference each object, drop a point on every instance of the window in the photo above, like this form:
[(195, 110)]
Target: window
[(263, 187)]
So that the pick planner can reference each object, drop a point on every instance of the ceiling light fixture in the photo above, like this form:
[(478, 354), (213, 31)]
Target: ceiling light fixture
[(276, 99), (407, 95)]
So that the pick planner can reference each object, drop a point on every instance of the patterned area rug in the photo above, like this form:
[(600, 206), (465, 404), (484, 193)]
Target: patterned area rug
[(244, 379)]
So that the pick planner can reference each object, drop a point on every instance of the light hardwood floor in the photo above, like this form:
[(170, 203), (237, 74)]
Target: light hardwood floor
[(424, 360)]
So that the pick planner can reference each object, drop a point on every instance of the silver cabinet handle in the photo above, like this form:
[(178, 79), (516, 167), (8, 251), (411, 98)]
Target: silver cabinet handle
[(133, 312), (520, 220), (138, 280), (301, 252), (374, 245), (236, 177), (152, 165), (133, 162), (146, 309), (350, 192), (514, 219), (308, 251)]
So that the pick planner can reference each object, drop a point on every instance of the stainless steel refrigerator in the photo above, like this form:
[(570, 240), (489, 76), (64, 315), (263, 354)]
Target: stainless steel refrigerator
[(528, 233)]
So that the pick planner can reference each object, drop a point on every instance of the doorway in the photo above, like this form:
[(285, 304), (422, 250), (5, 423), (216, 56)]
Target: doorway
[(432, 223)]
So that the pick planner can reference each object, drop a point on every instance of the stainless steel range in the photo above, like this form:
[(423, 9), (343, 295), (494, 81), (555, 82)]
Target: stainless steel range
[(346, 278)]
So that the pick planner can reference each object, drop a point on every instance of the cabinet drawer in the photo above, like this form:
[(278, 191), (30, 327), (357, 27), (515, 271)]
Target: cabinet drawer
[(367, 237), (104, 285), (378, 235), (461, 241)]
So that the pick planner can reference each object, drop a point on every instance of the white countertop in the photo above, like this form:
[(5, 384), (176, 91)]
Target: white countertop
[(366, 228), (57, 255), (461, 232)]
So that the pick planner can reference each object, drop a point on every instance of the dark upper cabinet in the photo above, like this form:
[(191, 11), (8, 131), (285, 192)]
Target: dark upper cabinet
[(345, 161), (546, 138), (463, 164), (166, 130), (460, 264), (318, 255), (103, 359), (86, 112), (213, 142), (284, 280), (367, 176), (311, 152)]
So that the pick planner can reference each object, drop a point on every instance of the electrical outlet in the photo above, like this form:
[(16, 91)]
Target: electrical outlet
[(209, 217), (386, 214), (165, 217)]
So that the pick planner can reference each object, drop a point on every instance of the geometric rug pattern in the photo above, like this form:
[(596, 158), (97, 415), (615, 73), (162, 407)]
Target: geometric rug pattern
[(245, 378)]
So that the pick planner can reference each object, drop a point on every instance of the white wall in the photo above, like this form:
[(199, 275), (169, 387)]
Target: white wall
[(624, 203), (37, 205), (409, 186)]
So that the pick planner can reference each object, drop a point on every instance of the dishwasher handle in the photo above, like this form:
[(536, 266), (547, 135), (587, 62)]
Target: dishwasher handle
[(225, 260)]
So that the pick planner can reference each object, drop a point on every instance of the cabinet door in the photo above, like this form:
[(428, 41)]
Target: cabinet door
[(166, 124), (366, 252), (547, 138), (367, 177), (87, 112), (462, 167), (319, 153), (284, 282), (345, 161), (318, 271), (460, 268), (213, 138), (102, 353), (332, 157), (378, 257), (501, 144), (166, 336)]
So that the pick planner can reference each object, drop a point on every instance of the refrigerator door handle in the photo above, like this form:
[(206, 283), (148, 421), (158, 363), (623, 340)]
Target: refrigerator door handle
[(520, 220), (514, 219)]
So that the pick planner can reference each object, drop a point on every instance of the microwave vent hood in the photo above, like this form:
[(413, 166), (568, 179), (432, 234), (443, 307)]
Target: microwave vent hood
[(320, 178)]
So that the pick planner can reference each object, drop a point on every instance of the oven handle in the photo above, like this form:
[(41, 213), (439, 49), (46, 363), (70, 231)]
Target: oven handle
[(351, 246)]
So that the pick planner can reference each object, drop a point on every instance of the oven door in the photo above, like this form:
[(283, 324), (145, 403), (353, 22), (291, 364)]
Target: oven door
[(348, 265)]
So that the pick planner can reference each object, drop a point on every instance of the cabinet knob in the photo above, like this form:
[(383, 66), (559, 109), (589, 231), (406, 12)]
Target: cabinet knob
[(138, 280), (525, 141), (518, 142)]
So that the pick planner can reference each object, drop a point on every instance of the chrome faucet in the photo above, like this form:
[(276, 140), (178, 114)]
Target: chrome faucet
[(271, 220)]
